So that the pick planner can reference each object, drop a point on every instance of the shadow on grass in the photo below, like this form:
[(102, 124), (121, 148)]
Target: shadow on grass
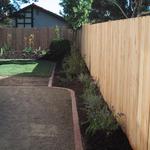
[(39, 76)]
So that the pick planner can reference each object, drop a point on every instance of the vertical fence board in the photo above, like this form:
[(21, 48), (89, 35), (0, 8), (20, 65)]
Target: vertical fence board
[(19, 38), (117, 54)]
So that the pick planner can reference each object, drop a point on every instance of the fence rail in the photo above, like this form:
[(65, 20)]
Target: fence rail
[(117, 54), (20, 38)]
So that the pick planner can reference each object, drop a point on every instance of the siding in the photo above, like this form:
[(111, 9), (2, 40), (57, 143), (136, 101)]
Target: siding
[(42, 19)]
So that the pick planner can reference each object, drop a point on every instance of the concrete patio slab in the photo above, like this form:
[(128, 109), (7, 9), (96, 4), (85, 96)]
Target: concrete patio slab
[(35, 118), (23, 81)]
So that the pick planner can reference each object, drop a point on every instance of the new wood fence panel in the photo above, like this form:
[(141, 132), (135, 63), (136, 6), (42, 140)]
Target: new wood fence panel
[(117, 54), (20, 38)]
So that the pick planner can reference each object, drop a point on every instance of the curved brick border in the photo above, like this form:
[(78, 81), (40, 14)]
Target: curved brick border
[(76, 127), (50, 82)]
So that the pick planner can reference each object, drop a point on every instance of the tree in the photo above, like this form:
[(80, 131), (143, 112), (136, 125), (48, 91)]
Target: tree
[(103, 10), (76, 12), (9, 6)]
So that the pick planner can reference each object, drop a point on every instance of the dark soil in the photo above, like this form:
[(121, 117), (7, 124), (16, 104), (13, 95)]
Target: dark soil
[(101, 140)]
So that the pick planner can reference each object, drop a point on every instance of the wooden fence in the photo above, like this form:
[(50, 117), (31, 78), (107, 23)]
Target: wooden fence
[(117, 54), (20, 38)]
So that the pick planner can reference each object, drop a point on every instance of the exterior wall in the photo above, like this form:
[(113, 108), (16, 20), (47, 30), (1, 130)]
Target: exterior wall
[(25, 20), (42, 19)]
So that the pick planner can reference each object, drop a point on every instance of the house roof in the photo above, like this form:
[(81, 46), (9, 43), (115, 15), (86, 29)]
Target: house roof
[(42, 9)]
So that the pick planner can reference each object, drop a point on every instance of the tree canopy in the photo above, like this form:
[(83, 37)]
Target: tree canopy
[(9, 6), (76, 12), (103, 10)]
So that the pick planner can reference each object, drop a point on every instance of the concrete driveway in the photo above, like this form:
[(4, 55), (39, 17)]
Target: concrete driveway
[(35, 118)]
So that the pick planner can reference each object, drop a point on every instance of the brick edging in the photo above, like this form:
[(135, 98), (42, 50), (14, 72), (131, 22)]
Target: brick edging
[(76, 127), (50, 82)]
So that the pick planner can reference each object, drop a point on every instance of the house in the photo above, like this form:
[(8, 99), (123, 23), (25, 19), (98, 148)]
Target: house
[(36, 16)]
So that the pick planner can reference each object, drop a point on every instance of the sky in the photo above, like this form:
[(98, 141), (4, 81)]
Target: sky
[(51, 5)]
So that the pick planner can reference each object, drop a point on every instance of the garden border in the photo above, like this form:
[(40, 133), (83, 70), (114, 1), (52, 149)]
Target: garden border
[(50, 82), (76, 127)]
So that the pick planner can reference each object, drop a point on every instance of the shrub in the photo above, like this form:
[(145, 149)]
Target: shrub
[(85, 79), (74, 65), (58, 49), (99, 117)]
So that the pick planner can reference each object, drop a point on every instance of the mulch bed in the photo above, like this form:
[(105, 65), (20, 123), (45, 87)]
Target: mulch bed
[(100, 141)]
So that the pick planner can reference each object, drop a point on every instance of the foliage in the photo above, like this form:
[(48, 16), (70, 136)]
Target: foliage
[(58, 49), (28, 50), (89, 86), (29, 40), (36, 52), (7, 7), (103, 10), (76, 12), (109, 10), (4, 49), (73, 65), (57, 33), (99, 117)]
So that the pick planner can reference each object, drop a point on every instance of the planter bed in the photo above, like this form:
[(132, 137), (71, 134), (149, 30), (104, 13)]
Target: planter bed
[(100, 141)]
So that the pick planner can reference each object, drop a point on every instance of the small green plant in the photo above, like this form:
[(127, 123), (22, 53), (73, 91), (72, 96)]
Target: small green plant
[(57, 33), (99, 117), (28, 50), (74, 65), (39, 52), (85, 79), (88, 85), (5, 48)]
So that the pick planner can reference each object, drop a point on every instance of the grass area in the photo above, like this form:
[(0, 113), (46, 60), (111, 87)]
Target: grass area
[(41, 68)]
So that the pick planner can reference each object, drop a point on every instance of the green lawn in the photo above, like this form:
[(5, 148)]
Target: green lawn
[(40, 68)]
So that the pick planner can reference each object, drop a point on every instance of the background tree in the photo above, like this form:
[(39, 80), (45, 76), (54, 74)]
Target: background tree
[(104, 10), (76, 12), (9, 6)]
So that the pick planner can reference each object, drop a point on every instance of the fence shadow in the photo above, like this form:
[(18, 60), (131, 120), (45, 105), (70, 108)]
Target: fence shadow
[(27, 78)]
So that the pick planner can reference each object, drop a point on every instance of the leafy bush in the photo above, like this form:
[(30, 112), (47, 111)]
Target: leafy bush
[(74, 65), (58, 49)]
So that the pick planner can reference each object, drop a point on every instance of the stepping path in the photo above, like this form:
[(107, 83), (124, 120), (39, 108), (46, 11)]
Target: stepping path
[(24, 81), (35, 118)]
